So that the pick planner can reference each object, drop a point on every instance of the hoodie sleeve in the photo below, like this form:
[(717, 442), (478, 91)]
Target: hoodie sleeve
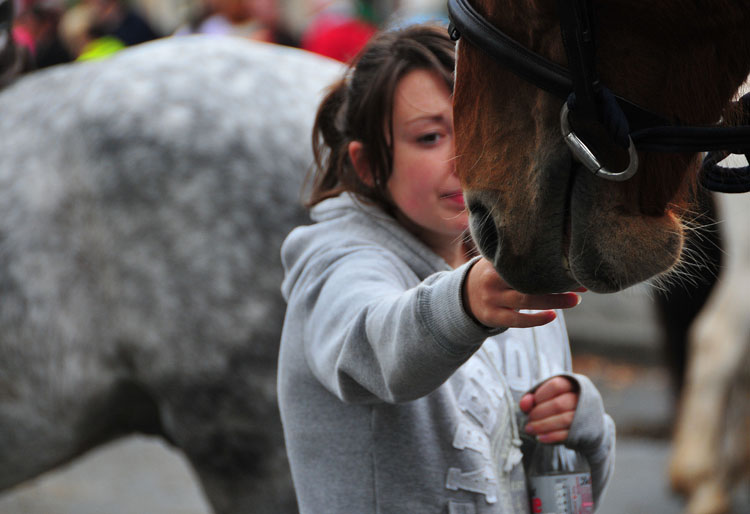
[(371, 337), (593, 434)]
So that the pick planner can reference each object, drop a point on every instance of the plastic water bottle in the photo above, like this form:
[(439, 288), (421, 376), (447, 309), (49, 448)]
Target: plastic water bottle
[(559, 481)]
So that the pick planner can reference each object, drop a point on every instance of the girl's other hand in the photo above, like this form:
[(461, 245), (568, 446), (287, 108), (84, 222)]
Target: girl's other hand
[(493, 303), (550, 409)]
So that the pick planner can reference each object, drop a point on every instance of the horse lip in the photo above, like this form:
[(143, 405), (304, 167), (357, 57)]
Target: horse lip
[(533, 273)]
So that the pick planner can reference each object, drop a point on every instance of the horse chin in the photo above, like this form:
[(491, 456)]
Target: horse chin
[(588, 237)]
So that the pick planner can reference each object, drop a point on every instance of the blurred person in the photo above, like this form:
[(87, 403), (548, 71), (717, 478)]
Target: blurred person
[(80, 34), (13, 55), (269, 14), (234, 18), (338, 29), (410, 12), (35, 28), (115, 18), (217, 18)]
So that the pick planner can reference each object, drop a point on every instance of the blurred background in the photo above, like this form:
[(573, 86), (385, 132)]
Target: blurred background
[(620, 341), (57, 31)]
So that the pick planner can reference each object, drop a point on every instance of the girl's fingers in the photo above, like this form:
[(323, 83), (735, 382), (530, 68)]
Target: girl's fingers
[(518, 301), (557, 436), (492, 302), (553, 387), (564, 403), (550, 424), (505, 313), (551, 408), (526, 403), (512, 319)]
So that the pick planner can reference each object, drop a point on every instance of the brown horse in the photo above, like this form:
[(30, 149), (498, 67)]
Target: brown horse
[(549, 225)]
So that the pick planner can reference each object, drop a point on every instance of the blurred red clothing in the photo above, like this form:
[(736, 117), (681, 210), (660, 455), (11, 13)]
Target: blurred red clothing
[(23, 37), (337, 36)]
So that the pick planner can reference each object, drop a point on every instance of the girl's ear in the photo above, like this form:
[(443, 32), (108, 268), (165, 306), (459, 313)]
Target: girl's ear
[(360, 162)]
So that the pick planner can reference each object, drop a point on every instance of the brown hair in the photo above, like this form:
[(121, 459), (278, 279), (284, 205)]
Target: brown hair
[(359, 108)]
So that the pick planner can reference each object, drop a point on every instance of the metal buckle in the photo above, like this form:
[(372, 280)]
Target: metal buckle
[(586, 157), (453, 32)]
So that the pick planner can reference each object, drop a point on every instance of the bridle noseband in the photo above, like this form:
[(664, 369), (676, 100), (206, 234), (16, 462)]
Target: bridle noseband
[(630, 126)]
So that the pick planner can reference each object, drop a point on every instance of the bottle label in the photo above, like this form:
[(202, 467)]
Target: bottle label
[(568, 493)]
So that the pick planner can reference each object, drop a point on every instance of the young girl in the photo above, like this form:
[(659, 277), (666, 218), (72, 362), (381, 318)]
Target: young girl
[(402, 387)]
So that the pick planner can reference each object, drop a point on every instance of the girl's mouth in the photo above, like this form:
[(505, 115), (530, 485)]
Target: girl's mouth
[(456, 198)]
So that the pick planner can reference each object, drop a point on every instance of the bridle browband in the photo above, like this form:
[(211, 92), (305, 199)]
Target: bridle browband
[(629, 125)]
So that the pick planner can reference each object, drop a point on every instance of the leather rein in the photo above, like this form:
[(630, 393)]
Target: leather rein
[(630, 126)]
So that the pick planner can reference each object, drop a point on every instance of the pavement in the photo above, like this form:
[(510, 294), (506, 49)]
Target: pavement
[(615, 341), (142, 476)]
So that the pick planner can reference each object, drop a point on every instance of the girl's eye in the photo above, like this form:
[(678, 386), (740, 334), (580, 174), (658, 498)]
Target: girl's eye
[(431, 138)]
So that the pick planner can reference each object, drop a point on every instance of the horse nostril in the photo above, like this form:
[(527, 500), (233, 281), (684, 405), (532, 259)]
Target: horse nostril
[(484, 229)]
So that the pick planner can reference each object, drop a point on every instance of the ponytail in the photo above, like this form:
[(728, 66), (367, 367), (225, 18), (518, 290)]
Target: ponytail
[(329, 146)]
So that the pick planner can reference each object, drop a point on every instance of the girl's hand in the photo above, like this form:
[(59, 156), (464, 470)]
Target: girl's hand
[(494, 304), (550, 409)]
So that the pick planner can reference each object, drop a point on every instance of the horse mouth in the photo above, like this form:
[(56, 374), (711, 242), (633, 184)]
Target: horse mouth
[(488, 240), (528, 263), (578, 231)]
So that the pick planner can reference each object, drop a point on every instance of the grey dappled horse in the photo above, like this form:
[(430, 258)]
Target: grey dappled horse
[(143, 201)]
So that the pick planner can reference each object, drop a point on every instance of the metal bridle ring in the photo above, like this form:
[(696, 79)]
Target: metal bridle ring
[(586, 157)]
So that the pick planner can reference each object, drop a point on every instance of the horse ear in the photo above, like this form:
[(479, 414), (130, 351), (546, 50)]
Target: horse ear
[(360, 163)]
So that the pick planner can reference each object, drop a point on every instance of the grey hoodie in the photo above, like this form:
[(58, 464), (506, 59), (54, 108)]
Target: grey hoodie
[(393, 399)]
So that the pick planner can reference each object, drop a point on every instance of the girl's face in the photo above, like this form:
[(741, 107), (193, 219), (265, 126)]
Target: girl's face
[(423, 184)]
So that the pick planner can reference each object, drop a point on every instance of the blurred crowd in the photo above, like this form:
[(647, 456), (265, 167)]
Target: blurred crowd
[(50, 32)]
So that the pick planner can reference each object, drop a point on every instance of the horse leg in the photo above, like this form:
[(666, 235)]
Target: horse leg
[(719, 341), (255, 493), (229, 428), (48, 419), (737, 441), (32, 442)]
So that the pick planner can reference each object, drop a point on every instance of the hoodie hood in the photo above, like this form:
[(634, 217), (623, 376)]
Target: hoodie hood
[(344, 224)]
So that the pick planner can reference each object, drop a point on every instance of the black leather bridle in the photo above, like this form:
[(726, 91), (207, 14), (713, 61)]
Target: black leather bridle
[(629, 125)]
